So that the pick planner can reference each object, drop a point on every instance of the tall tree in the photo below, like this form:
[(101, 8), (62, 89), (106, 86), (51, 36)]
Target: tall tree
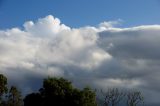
[(3, 86), (88, 97), (14, 97)]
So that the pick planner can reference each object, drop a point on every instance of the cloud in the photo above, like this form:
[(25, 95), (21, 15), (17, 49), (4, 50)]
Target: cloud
[(47, 26), (110, 24), (117, 83), (137, 52), (103, 56), (47, 47)]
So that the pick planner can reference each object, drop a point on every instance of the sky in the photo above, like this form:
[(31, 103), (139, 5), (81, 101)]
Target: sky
[(102, 44), (78, 13)]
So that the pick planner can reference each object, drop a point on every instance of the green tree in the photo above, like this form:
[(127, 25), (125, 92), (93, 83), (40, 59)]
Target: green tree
[(14, 97), (88, 97), (3, 86), (60, 92)]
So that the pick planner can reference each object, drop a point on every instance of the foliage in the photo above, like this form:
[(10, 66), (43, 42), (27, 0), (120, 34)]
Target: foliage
[(60, 92), (14, 97), (33, 99), (3, 86)]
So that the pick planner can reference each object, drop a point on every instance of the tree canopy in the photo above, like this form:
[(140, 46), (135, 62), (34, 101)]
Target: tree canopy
[(14, 97), (60, 92), (3, 86)]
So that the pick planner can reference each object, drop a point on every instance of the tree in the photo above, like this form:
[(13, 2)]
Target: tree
[(88, 97), (55, 91), (60, 92), (33, 99), (134, 98), (3, 86), (113, 97), (14, 97)]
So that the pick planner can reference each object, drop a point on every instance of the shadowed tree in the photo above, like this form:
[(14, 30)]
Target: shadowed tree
[(3, 86), (88, 97), (60, 92), (33, 99), (14, 97), (134, 98)]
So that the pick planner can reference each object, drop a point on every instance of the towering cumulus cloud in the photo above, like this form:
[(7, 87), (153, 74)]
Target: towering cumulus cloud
[(102, 56)]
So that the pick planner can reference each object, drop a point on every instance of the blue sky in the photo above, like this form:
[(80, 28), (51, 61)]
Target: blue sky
[(78, 13)]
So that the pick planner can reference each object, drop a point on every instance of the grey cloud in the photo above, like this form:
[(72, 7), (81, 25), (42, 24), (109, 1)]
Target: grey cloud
[(133, 42), (100, 57), (137, 52)]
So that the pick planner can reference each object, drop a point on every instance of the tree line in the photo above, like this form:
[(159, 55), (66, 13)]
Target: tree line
[(116, 97), (61, 92)]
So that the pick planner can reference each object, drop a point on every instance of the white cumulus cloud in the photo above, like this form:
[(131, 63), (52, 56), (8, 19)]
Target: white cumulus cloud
[(102, 57)]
